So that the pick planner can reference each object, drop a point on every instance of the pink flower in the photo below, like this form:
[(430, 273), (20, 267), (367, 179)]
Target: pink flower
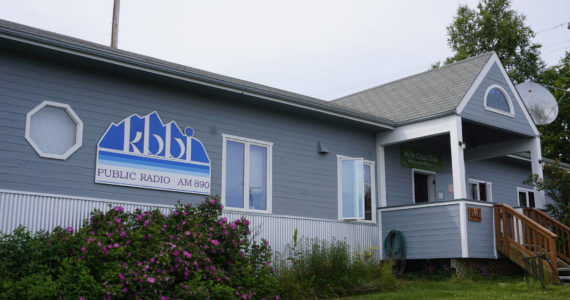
[(232, 225), (123, 234), (121, 276), (150, 279), (244, 296), (238, 221), (116, 245), (81, 298), (212, 201), (69, 229), (119, 209), (164, 226), (224, 219), (83, 249), (215, 242), (145, 223), (246, 222), (187, 232), (175, 253), (125, 290), (139, 217)]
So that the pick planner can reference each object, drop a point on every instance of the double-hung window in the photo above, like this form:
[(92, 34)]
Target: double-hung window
[(355, 189), (481, 190), (526, 197), (246, 174)]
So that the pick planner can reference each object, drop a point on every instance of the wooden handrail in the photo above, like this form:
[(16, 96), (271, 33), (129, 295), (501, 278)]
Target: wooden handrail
[(514, 229), (555, 226)]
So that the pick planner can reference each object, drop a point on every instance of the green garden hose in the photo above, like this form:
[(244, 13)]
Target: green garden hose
[(395, 248)]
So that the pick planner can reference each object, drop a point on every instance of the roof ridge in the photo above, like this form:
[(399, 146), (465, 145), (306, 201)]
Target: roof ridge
[(455, 63)]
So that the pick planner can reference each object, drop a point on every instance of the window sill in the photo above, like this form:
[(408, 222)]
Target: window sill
[(244, 210)]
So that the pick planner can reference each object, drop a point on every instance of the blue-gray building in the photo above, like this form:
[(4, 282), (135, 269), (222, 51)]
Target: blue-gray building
[(83, 125)]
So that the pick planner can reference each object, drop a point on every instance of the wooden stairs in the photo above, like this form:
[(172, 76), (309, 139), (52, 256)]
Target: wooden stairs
[(534, 234)]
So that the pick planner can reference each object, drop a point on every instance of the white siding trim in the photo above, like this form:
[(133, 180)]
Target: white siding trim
[(414, 131), (442, 203), (463, 229), (381, 171), (457, 158), (475, 85)]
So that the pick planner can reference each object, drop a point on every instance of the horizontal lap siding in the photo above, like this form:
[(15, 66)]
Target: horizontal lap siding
[(304, 181), (430, 232), (399, 189), (475, 108), (481, 235), (505, 175)]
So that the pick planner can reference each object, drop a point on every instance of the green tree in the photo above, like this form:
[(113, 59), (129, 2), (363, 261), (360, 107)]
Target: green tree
[(495, 26), (556, 136), (556, 186)]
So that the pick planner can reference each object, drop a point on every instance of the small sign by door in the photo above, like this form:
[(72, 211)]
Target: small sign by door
[(474, 214)]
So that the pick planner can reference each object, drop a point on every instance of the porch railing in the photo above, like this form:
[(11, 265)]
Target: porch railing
[(561, 230), (514, 229)]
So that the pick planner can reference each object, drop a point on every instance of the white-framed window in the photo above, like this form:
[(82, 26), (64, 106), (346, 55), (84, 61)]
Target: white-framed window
[(54, 130), (526, 197), (356, 189), (497, 100), (481, 190), (246, 174)]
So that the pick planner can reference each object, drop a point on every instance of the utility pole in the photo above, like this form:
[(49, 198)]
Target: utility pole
[(115, 24)]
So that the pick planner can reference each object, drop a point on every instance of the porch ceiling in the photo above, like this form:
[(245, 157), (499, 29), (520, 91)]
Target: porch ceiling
[(477, 135)]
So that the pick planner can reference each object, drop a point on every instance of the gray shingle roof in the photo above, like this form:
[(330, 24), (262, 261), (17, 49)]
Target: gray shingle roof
[(74, 45), (431, 93)]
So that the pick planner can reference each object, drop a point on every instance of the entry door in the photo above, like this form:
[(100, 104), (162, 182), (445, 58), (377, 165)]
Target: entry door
[(424, 187)]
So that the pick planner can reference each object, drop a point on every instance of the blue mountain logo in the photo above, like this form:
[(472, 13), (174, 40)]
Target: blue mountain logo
[(145, 152), (149, 136)]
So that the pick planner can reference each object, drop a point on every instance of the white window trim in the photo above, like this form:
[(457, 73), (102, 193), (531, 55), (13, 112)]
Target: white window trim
[(372, 189), (72, 116), (419, 171), (510, 113), (489, 189), (526, 190), (247, 142)]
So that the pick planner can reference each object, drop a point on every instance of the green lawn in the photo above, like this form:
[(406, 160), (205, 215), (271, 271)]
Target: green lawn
[(469, 289)]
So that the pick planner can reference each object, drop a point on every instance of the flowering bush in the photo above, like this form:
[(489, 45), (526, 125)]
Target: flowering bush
[(192, 253)]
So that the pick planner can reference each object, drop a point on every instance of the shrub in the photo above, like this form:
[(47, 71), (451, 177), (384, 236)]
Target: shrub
[(193, 252), (321, 269)]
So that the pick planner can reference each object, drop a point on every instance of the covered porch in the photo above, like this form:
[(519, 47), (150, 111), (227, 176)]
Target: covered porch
[(433, 174)]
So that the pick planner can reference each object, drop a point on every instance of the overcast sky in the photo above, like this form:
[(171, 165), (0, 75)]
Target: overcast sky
[(321, 48)]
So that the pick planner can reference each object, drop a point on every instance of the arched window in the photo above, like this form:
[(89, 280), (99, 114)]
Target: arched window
[(497, 100)]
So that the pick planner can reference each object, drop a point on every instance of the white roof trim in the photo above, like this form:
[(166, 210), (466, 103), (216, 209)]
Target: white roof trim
[(495, 59)]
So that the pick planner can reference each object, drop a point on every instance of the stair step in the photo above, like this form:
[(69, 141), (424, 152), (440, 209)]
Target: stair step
[(564, 278), (563, 269)]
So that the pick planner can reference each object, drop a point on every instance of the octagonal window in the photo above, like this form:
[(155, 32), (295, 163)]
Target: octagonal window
[(54, 130)]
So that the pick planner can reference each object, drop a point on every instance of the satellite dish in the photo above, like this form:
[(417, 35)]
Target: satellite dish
[(540, 103)]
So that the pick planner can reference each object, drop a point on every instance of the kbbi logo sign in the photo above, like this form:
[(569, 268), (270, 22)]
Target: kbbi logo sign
[(144, 152)]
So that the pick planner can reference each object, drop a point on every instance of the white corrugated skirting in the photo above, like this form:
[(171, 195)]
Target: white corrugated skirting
[(44, 212)]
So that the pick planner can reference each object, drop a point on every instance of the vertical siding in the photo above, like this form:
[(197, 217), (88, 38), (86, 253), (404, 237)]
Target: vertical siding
[(430, 232), (475, 108), (481, 235), (304, 181), (45, 212)]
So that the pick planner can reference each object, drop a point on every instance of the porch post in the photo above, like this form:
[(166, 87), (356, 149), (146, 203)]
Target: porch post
[(535, 158), (457, 160)]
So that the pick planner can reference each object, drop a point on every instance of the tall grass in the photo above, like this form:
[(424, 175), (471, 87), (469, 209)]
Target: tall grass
[(314, 268)]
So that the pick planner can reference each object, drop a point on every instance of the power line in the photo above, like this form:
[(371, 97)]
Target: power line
[(552, 45), (554, 27)]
